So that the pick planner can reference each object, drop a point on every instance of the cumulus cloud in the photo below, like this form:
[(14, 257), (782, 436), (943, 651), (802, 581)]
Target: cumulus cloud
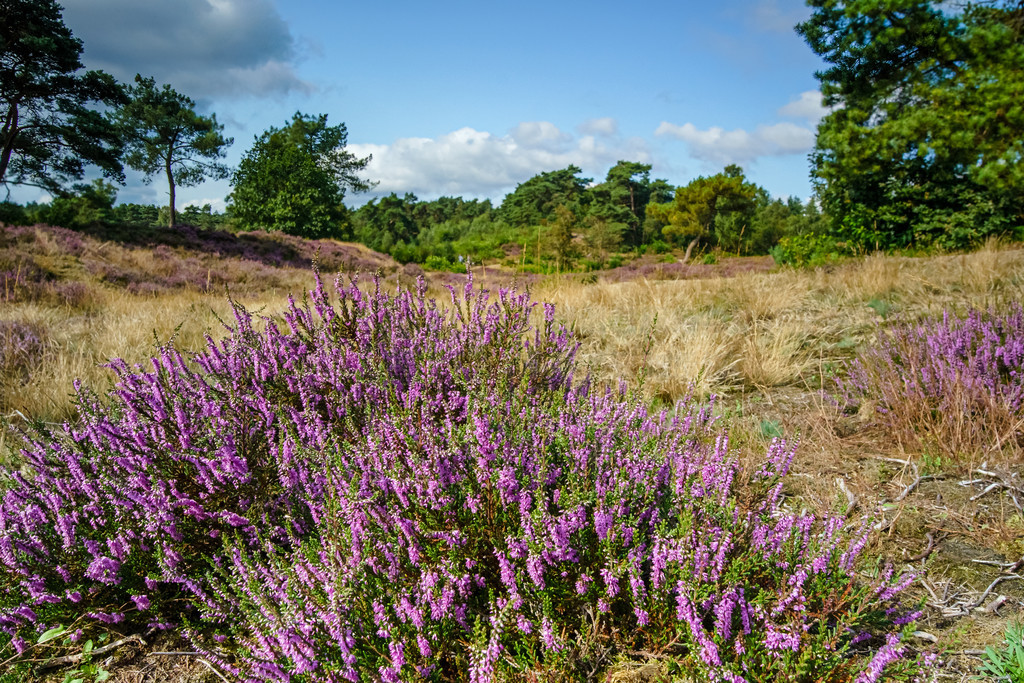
[(720, 146), (472, 163), (201, 47), (808, 106), (605, 127)]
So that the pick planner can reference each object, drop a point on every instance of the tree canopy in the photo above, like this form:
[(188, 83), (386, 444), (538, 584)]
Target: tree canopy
[(51, 128), (295, 178), (534, 201), (707, 207), (622, 198), (925, 139), (163, 132)]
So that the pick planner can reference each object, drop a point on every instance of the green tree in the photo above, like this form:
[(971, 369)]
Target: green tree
[(925, 140), (623, 197), (383, 223), (535, 200), (708, 207), (294, 179), (559, 236), (163, 132), (86, 205), (51, 129)]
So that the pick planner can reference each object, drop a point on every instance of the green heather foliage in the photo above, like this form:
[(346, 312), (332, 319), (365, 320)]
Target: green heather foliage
[(389, 489)]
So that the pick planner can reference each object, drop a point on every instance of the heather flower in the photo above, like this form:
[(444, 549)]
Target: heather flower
[(954, 385), (889, 653)]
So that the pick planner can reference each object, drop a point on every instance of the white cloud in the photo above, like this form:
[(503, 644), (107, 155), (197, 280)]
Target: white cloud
[(721, 146), (216, 203), (605, 127), (808, 106), (472, 163)]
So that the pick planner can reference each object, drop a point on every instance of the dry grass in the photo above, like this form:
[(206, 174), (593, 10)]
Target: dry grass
[(118, 325), (767, 329)]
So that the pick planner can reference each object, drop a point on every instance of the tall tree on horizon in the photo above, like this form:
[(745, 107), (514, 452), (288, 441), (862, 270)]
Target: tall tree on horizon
[(703, 205), (163, 133), (294, 179), (51, 125)]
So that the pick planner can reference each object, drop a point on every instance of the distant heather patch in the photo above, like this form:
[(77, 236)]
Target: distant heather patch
[(21, 347), (649, 268)]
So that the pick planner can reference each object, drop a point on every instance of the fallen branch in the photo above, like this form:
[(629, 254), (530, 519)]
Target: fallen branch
[(1002, 481), (76, 658), (851, 499), (913, 485), (1011, 566), (993, 607), (992, 585), (988, 489)]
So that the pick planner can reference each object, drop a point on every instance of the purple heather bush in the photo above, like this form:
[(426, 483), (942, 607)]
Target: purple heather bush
[(21, 347), (389, 489), (953, 385)]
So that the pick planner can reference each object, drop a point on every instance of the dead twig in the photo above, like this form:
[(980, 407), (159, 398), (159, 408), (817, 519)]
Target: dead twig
[(931, 538), (1001, 481), (988, 489), (913, 485), (1011, 566), (851, 499)]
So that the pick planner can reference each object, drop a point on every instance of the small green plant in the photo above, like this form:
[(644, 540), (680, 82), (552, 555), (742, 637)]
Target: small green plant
[(1006, 665), (87, 669), (710, 258), (658, 247), (930, 463), (880, 306), (809, 250), (771, 429), (614, 261), (435, 262)]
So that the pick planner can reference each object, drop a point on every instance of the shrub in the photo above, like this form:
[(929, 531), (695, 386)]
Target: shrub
[(953, 385), (394, 490), (809, 250), (659, 247)]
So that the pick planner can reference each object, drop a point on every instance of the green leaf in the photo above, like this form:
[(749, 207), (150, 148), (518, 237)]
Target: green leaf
[(87, 648), (50, 634), (102, 675)]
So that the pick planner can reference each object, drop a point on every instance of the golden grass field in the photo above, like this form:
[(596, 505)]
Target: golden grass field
[(766, 343)]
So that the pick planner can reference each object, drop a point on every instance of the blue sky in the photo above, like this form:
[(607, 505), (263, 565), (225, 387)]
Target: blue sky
[(470, 99)]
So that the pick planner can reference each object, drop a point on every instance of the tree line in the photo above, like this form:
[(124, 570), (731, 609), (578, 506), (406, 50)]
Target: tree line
[(921, 147)]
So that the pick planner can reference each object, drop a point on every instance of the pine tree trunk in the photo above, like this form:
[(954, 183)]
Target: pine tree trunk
[(170, 184), (10, 131), (689, 249)]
